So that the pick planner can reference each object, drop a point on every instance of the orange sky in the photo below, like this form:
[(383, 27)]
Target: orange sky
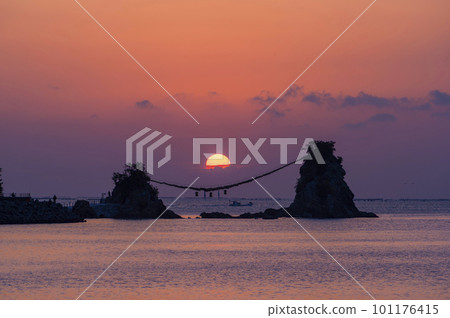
[(234, 48)]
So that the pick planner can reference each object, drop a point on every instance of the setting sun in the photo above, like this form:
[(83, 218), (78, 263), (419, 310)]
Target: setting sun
[(217, 160)]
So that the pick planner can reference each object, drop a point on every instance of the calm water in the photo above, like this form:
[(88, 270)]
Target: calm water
[(404, 254)]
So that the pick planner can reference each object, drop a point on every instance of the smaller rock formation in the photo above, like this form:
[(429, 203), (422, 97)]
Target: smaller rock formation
[(84, 209), (17, 211), (248, 215), (135, 198), (215, 215), (267, 214)]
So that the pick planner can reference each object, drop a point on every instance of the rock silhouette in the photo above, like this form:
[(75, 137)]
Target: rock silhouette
[(19, 211), (215, 215), (267, 214), (135, 198), (84, 209), (321, 191)]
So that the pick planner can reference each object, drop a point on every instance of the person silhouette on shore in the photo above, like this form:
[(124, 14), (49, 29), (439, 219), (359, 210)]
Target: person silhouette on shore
[(54, 198)]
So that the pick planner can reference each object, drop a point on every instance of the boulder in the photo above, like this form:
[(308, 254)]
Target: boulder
[(249, 215), (84, 209), (215, 215), (267, 214)]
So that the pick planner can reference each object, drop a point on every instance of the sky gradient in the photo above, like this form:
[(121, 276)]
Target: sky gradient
[(70, 97)]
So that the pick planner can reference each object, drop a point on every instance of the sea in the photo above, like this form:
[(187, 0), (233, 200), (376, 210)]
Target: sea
[(403, 254)]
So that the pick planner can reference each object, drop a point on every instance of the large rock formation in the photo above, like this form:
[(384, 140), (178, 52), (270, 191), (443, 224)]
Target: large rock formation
[(18, 211), (321, 191), (135, 197)]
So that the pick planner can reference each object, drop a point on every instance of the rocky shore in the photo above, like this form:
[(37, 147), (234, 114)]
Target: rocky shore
[(18, 211), (132, 198)]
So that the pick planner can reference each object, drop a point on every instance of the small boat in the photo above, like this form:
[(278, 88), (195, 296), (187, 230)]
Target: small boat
[(237, 203)]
